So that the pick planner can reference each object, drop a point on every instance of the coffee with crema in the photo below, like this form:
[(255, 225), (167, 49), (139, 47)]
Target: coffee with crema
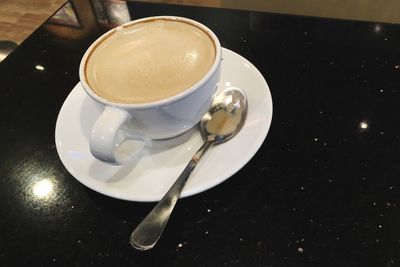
[(149, 61)]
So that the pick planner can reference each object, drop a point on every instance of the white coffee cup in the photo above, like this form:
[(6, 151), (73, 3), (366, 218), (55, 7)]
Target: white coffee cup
[(124, 129)]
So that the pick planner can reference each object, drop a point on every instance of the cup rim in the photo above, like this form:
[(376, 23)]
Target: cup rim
[(162, 102)]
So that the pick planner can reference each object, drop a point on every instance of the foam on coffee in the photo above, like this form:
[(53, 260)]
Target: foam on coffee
[(149, 61)]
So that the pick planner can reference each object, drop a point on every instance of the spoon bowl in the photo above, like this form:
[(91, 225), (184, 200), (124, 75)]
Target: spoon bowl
[(225, 117), (222, 122)]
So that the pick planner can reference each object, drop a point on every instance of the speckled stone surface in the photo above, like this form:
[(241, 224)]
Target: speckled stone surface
[(323, 190)]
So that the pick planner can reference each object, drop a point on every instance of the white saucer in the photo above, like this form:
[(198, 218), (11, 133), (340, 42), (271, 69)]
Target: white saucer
[(149, 178)]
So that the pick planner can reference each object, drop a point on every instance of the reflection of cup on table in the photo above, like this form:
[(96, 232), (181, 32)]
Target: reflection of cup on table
[(156, 78)]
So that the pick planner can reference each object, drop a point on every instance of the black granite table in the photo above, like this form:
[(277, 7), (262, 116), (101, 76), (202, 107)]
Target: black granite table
[(323, 190)]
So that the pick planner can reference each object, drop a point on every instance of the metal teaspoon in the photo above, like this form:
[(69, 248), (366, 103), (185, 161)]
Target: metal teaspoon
[(222, 122)]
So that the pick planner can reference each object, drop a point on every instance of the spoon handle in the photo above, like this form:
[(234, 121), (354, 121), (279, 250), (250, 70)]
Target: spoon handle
[(147, 233)]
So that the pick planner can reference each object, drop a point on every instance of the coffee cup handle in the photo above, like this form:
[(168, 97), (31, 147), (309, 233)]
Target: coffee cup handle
[(109, 143)]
